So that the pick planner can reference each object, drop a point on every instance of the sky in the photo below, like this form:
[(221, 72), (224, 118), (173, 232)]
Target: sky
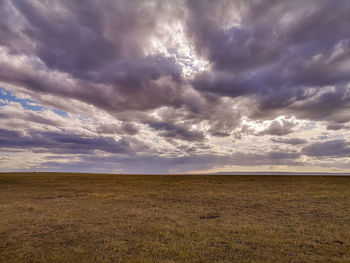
[(178, 86)]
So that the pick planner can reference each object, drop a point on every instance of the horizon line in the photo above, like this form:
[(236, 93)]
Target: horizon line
[(216, 173)]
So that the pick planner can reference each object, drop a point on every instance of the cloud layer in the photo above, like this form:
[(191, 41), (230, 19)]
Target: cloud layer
[(175, 86)]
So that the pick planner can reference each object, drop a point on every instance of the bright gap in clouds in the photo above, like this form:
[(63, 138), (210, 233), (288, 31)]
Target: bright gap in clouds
[(172, 42)]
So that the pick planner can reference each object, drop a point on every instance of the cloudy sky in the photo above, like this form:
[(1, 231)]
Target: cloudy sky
[(175, 86)]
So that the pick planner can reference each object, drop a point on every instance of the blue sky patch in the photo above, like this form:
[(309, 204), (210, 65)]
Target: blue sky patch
[(60, 112), (28, 104)]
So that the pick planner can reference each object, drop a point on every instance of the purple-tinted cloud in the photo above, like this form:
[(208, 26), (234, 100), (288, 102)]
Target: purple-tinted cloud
[(64, 143), (334, 148), (291, 141), (171, 84), (280, 54)]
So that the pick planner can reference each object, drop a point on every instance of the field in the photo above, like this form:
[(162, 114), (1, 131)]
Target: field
[(173, 218)]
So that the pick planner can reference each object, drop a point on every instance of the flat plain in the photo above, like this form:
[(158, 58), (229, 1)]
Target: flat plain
[(61, 217)]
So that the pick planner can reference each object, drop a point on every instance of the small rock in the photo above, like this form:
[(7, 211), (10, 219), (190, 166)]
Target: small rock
[(210, 216), (338, 242)]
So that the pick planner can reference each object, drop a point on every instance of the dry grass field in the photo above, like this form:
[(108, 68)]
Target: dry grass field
[(49, 217)]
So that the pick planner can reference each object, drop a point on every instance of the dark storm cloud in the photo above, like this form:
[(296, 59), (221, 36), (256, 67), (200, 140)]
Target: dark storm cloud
[(279, 128), (283, 155), (334, 148), (129, 89), (174, 131), (276, 53), (335, 127), (84, 40), (129, 129), (27, 117), (125, 128), (65, 143), (291, 141), (100, 45), (268, 30)]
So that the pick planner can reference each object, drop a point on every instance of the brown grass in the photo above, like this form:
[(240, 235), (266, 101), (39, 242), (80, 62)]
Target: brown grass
[(189, 218)]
